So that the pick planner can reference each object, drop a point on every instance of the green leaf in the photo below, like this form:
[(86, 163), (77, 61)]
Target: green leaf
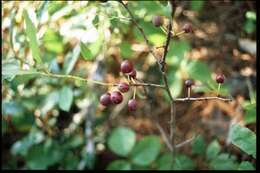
[(197, 5), (49, 102), (31, 34), (199, 71), (249, 26), (145, 151), (119, 165), (175, 82), (251, 15), (121, 141), (183, 162), (42, 156), (21, 147), (165, 162), (243, 138), (85, 52), (53, 41), (65, 98), (223, 162), (71, 59), (245, 165), (125, 49), (250, 113), (11, 108), (213, 150), (198, 145), (177, 51)]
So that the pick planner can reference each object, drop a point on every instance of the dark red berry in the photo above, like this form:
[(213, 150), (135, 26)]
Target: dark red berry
[(188, 83), (220, 78), (157, 21), (105, 99), (116, 97), (126, 66), (132, 74), (123, 87), (187, 28), (132, 105)]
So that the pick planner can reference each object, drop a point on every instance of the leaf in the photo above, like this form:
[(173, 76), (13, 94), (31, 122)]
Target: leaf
[(21, 147), (49, 102), (223, 162), (53, 41), (198, 145), (199, 71), (250, 113), (175, 82), (213, 150), (11, 108), (65, 98), (165, 162), (119, 165), (177, 51), (245, 165), (249, 26), (251, 15), (183, 162), (243, 138), (31, 34), (40, 156), (71, 59), (146, 151), (125, 49), (10, 69), (121, 141), (197, 5), (85, 52)]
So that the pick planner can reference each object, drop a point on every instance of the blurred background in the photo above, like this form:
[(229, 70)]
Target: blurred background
[(58, 123)]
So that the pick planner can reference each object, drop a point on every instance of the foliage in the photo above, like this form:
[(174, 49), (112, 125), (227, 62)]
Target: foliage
[(45, 120)]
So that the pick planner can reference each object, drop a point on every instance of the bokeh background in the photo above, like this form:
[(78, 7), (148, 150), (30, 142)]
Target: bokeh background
[(50, 123)]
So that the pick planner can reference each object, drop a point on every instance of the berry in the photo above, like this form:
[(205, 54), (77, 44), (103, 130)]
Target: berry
[(132, 105), (188, 83), (132, 74), (187, 28), (126, 66), (116, 97), (157, 21), (123, 87), (105, 99), (220, 78)]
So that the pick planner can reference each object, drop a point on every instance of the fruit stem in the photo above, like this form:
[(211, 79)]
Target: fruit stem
[(219, 88), (189, 90), (179, 33)]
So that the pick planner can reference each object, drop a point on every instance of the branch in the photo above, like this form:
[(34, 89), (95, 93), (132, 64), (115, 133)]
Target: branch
[(48, 74), (202, 99)]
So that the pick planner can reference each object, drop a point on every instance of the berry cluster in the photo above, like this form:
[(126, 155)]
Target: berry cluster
[(116, 97)]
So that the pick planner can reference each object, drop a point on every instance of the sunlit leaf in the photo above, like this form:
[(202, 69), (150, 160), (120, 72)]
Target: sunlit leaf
[(30, 31)]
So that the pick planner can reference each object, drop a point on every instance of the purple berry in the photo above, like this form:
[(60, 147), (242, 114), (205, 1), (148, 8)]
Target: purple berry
[(116, 97), (220, 78), (132, 74), (123, 87), (188, 83), (157, 21), (187, 28), (105, 99), (126, 66), (132, 105)]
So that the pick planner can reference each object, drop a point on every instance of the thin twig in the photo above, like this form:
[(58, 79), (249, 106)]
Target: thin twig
[(184, 142), (201, 99), (164, 136)]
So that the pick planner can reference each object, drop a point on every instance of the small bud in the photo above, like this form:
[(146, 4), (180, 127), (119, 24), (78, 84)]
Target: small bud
[(187, 28), (188, 83), (157, 21), (220, 79)]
